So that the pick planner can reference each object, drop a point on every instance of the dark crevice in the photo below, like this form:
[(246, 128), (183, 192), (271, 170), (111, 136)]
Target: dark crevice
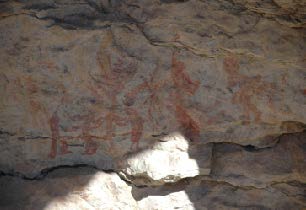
[(44, 173), (81, 17), (170, 44), (252, 148), (33, 137), (182, 184), (40, 6), (160, 135), (249, 147), (95, 6), (6, 133), (173, 1), (237, 8)]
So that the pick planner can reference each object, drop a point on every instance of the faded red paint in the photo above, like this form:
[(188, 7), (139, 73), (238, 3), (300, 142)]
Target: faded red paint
[(35, 106), (189, 126), (153, 101), (112, 120), (304, 91), (55, 134), (64, 148), (130, 96), (31, 87), (177, 37), (249, 87), (116, 73), (48, 64), (184, 84), (284, 79), (181, 79), (136, 123), (89, 123)]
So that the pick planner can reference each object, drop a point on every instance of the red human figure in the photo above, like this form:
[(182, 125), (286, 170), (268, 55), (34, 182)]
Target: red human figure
[(131, 95), (248, 88), (115, 72), (136, 123), (89, 123), (189, 126), (111, 118), (184, 84), (54, 126), (153, 100), (111, 121), (55, 136), (181, 79)]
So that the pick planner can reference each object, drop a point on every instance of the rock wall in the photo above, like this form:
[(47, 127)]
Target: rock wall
[(158, 104)]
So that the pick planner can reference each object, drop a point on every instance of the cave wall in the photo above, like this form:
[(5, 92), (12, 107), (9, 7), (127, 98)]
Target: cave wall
[(164, 104)]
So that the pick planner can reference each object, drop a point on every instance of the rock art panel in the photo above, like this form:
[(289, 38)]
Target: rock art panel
[(184, 85), (92, 83), (247, 88)]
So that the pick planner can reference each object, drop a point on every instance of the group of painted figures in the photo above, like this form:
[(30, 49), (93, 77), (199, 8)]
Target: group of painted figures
[(114, 77), (116, 73)]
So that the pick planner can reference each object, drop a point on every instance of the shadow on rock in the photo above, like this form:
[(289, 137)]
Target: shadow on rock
[(240, 178), (66, 188)]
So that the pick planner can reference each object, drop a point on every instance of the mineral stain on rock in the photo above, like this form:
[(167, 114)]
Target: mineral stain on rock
[(167, 104)]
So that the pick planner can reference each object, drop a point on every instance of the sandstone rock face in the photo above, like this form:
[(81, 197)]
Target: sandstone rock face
[(88, 82), (82, 188), (160, 92), (210, 195), (86, 188), (166, 161), (244, 166)]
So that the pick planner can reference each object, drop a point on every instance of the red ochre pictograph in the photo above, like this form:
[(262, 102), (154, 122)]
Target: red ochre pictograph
[(248, 88), (115, 73)]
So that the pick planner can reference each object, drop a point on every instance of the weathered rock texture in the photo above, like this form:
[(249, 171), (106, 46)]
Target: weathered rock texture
[(246, 182), (159, 92)]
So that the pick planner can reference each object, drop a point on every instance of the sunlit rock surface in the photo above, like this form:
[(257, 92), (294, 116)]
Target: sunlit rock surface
[(81, 188), (85, 188), (158, 92), (167, 161)]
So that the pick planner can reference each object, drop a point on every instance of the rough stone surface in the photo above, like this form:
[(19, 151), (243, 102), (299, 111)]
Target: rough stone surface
[(82, 188), (204, 96), (213, 195), (167, 161), (284, 162), (85, 188), (87, 82)]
